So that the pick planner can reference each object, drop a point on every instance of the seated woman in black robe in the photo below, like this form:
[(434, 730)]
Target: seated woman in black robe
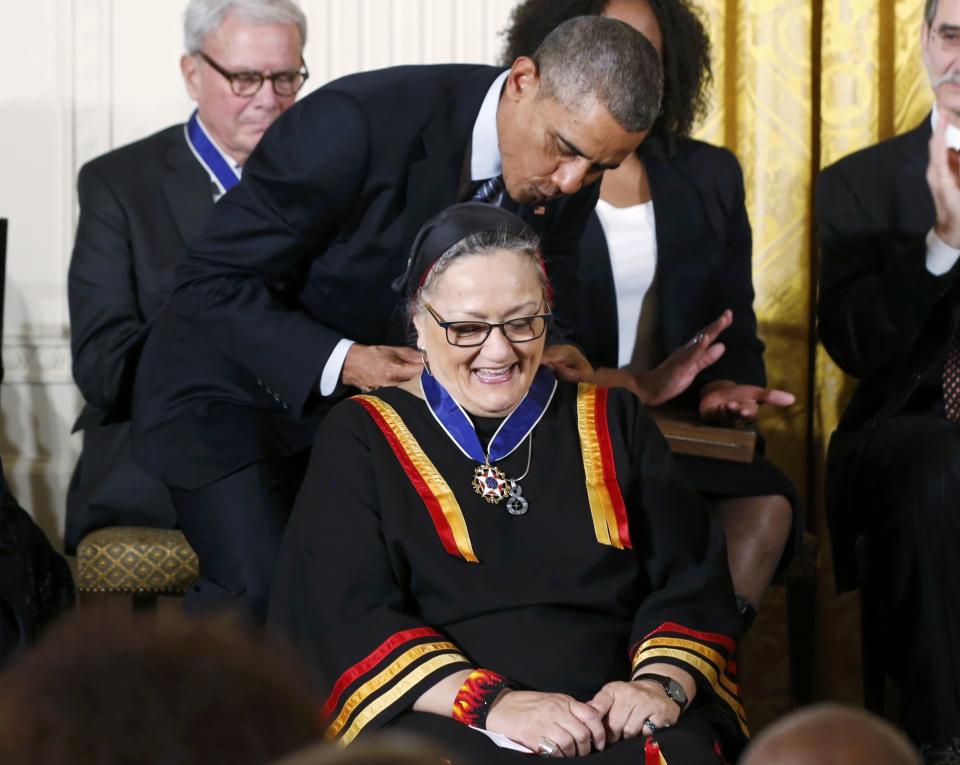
[(488, 546)]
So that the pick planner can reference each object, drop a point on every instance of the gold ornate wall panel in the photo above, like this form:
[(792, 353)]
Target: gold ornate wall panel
[(762, 111), (912, 97)]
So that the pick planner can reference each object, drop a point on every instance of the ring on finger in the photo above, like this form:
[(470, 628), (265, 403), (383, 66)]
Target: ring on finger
[(650, 726), (696, 339), (546, 747)]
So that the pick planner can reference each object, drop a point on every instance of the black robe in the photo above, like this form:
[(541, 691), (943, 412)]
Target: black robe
[(384, 601)]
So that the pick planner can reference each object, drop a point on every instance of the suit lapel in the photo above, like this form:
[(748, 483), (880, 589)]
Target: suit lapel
[(188, 189), (678, 215), (599, 314), (434, 181), (915, 199)]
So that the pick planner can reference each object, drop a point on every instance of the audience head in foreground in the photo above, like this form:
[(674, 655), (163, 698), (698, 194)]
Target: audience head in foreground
[(387, 749), (243, 65), (831, 734), (102, 688)]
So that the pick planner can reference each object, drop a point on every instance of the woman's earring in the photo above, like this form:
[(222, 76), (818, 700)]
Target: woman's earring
[(423, 358)]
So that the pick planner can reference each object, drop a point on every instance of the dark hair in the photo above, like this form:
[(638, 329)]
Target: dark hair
[(389, 748), (930, 12), (592, 57), (686, 56), (111, 688)]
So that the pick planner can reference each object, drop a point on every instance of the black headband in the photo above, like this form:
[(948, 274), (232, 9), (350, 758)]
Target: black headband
[(445, 229)]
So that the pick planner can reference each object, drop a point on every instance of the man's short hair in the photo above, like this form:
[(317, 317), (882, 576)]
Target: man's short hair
[(590, 57), (930, 12), (205, 16), (831, 734)]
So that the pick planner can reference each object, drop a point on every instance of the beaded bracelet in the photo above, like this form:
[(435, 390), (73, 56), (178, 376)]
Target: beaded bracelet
[(475, 696)]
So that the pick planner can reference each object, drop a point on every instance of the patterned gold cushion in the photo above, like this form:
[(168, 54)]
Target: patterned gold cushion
[(130, 559)]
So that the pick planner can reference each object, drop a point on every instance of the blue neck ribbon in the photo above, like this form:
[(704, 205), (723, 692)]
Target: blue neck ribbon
[(512, 431), (209, 155)]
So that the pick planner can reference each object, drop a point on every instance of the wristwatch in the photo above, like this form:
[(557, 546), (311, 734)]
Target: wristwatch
[(671, 687)]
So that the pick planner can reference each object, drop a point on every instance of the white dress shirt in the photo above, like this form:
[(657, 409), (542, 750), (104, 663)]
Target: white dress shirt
[(631, 236)]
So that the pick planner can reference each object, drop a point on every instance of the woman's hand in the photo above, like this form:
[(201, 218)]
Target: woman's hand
[(527, 716), (725, 399), (627, 706), (675, 374)]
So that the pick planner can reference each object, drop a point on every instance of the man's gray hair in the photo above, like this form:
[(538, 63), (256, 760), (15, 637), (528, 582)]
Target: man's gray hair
[(930, 12), (205, 16), (590, 57)]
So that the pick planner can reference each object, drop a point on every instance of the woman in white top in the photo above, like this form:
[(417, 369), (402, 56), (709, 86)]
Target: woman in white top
[(666, 271)]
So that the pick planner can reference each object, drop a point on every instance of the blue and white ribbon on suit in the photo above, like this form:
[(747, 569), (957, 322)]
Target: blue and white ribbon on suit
[(208, 155)]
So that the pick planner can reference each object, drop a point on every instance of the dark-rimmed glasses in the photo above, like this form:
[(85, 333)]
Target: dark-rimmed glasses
[(248, 84), (468, 334)]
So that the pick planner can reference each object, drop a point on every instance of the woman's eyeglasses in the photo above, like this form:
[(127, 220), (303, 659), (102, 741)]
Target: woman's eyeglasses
[(467, 334)]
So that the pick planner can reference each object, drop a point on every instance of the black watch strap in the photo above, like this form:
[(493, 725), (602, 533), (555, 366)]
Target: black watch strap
[(671, 687)]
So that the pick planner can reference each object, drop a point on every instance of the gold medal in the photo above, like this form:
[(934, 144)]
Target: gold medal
[(490, 483)]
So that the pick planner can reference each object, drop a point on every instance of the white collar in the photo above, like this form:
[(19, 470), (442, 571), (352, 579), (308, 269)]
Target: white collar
[(953, 133), (226, 157), (485, 161)]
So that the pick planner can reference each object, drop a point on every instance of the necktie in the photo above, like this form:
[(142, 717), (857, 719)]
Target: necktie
[(951, 380), (490, 190)]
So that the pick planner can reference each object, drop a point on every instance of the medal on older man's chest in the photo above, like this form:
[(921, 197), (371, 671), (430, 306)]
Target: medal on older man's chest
[(489, 481)]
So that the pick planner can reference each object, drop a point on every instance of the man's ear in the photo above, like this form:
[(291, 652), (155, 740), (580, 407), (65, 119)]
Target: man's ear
[(190, 68), (523, 80)]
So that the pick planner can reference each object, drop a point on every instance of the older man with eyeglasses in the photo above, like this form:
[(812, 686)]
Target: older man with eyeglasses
[(889, 315), (139, 206)]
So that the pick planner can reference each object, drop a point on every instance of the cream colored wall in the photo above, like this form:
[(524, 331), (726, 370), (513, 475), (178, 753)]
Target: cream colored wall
[(81, 77)]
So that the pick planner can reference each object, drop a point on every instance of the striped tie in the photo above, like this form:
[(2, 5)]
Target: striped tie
[(951, 380), (490, 190)]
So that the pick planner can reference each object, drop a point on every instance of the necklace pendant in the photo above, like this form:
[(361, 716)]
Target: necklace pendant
[(490, 483), (517, 504)]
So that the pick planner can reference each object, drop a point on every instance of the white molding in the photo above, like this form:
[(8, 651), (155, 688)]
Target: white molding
[(92, 88), (33, 360)]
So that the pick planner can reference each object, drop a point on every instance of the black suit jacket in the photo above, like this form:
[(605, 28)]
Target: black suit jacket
[(704, 249), (883, 317), (139, 205), (301, 254)]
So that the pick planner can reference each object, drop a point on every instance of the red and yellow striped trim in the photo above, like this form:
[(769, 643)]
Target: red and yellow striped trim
[(426, 479), (370, 661), (446, 653), (385, 700), (607, 508), (387, 673), (691, 647)]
